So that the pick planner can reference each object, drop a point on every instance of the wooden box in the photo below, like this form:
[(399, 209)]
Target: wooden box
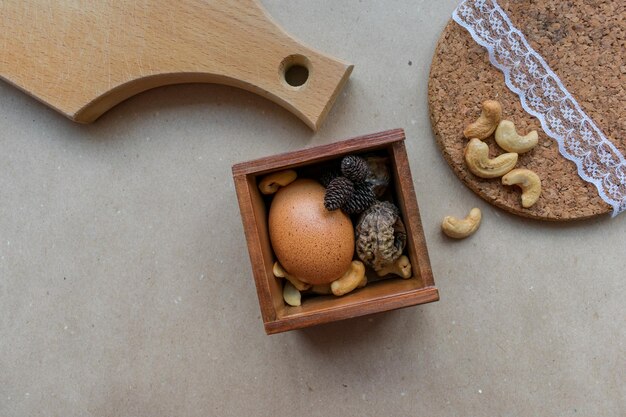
[(378, 296)]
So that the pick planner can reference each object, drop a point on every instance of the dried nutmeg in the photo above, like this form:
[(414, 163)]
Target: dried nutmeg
[(380, 235)]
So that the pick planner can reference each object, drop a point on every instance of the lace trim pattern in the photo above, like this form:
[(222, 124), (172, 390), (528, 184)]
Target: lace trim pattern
[(543, 95)]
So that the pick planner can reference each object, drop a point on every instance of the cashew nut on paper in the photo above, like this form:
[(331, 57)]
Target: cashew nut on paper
[(461, 228)]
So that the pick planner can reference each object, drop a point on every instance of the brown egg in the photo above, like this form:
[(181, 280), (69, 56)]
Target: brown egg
[(311, 243)]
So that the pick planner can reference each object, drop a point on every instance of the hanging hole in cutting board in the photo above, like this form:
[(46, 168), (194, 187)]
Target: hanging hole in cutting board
[(295, 70)]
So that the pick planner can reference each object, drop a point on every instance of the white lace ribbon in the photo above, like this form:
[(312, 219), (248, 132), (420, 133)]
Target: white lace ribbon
[(543, 95)]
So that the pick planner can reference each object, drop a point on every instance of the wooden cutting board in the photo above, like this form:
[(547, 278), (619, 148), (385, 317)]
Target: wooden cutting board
[(82, 58), (583, 42)]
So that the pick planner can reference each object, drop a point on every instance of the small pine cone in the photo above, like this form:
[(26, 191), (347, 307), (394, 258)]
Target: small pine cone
[(362, 198), (328, 176), (354, 168), (338, 192)]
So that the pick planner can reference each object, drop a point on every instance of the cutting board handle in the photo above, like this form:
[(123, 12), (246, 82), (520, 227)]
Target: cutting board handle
[(112, 50)]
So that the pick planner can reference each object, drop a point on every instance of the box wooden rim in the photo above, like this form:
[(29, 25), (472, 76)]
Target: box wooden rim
[(393, 141)]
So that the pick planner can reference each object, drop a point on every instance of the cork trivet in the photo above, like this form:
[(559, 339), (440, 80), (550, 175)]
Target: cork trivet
[(583, 41)]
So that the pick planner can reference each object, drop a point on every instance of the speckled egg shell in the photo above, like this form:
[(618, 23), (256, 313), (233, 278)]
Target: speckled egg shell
[(311, 243)]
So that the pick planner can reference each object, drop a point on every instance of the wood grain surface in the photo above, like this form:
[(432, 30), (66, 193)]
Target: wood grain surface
[(82, 58), (583, 42)]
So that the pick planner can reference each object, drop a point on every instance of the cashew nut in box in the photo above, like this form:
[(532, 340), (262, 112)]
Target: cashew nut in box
[(509, 140), (486, 123), (291, 295), (272, 182), (401, 267), (280, 272), (478, 162), (528, 181), (461, 228), (353, 278)]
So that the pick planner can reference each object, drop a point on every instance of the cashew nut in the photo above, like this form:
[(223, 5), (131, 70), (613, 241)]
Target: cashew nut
[(528, 181), (272, 182), (353, 278), (509, 140), (401, 267), (486, 123), (478, 162), (461, 228), (291, 295), (280, 272)]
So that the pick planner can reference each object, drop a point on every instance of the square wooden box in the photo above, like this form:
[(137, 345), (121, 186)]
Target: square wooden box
[(378, 296)]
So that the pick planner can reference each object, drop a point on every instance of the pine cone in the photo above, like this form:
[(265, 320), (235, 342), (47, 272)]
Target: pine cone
[(328, 176), (362, 198), (338, 192), (354, 168)]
